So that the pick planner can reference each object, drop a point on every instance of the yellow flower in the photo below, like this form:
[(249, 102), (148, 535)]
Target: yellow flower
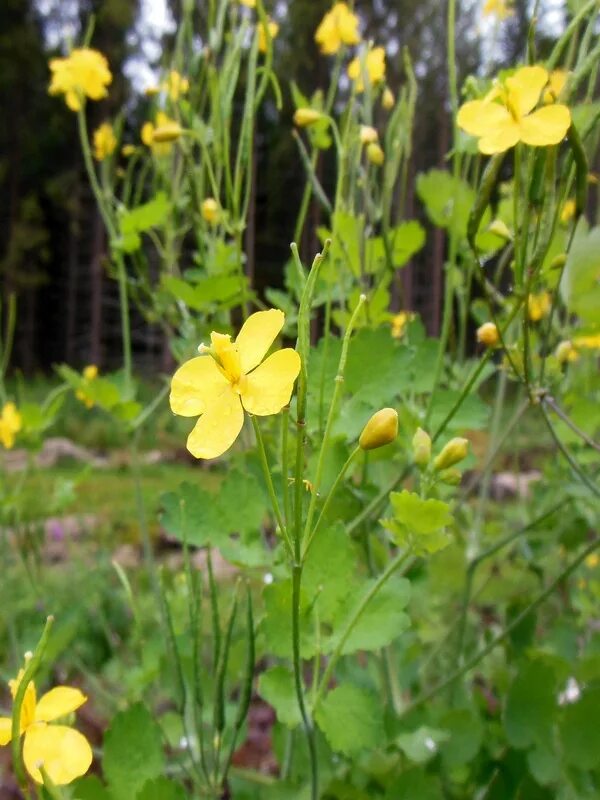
[(374, 66), (89, 374), (588, 342), (83, 73), (487, 334), (10, 424), (399, 323), (210, 210), (248, 3), (128, 150), (500, 125), (162, 124), (499, 8), (339, 26), (175, 85), (151, 91), (375, 154), (303, 117), (387, 99), (368, 134), (565, 352), (556, 83), (568, 211), (592, 560), (229, 379), (538, 306), (262, 34), (105, 141), (64, 753)]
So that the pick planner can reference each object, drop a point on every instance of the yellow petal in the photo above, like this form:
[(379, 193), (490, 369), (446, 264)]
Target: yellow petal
[(58, 702), (525, 87), (256, 336), (5, 730), (269, 388), (479, 117), (504, 136), (195, 385), (218, 428), (64, 752), (546, 126)]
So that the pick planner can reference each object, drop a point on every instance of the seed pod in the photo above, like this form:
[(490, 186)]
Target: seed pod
[(452, 453), (380, 430), (421, 445)]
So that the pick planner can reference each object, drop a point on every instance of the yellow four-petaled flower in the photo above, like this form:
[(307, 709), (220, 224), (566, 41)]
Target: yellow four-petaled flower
[(339, 26), (230, 378), (507, 116), (374, 68), (63, 752), (10, 425), (83, 73)]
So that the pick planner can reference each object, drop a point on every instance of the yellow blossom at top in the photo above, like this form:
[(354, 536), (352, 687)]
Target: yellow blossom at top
[(374, 66), (506, 116), (162, 122), (175, 85), (89, 374), (10, 424), (64, 753), (399, 323), (229, 379), (339, 26), (538, 306), (262, 34), (83, 73), (105, 141), (556, 83), (498, 8)]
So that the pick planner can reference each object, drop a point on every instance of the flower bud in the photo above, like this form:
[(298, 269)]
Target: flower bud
[(380, 430), (306, 116), (375, 154), (452, 453), (368, 134), (558, 261), (487, 334), (167, 133), (128, 150), (500, 228), (421, 445), (388, 99), (451, 477), (565, 352), (210, 210)]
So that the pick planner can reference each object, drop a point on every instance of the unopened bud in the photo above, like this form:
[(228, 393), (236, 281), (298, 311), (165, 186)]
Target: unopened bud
[(558, 261), (500, 228), (452, 453), (375, 154), (380, 430), (167, 133), (487, 334), (368, 134), (210, 210), (388, 99), (306, 116), (421, 445), (452, 476), (565, 352)]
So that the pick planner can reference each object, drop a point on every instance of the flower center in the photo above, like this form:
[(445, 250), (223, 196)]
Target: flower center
[(226, 354)]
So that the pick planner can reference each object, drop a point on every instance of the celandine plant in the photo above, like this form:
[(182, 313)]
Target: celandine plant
[(413, 637)]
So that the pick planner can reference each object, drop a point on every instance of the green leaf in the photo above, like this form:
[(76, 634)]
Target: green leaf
[(448, 200), (530, 705), (90, 788), (161, 789), (465, 735), (580, 285), (330, 568), (191, 514), (580, 732), (276, 686), (242, 503), (423, 744), (382, 621), (408, 239), (210, 290), (132, 752), (147, 216), (415, 784), (473, 413), (417, 523), (351, 719), (276, 624)]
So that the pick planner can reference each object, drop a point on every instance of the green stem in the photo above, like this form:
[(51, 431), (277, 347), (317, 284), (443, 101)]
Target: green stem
[(392, 567), (270, 488)]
